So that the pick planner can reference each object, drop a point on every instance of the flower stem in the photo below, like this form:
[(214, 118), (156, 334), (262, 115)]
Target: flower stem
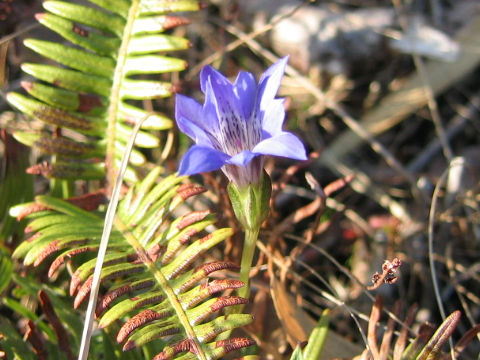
[(251, 237), (251, 206)]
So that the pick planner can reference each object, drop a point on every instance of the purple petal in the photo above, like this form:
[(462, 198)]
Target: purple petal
[(242, 159), (245, 89), (187, 114), (270, 82), (219, 90), (205, 74), (209, 111), (210, 74), (273, 118), (200, 159), (284, 144), (186, 107)]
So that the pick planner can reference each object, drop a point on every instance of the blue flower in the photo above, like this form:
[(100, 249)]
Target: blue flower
[(237, 125)]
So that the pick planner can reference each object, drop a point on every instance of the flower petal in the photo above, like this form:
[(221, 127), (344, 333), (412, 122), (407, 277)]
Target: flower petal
[(242, 159), (270, 82), (187, 114), (245, 88), (273, 118), (205, 74), (187, 107), (209, 111), (220, 90), (200, 159), (234, 134), (284, 144), (216, 78)]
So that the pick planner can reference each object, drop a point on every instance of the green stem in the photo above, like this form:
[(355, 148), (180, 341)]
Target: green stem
[(251, 237)]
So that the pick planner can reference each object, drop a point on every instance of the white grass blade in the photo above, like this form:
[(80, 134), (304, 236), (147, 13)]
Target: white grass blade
[(107, 229)]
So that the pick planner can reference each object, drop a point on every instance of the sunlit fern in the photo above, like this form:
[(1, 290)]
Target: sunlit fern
[(89, 104), (116, 52), (148, 274)]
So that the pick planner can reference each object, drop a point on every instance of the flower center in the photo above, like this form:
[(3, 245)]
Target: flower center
[(236, 133)]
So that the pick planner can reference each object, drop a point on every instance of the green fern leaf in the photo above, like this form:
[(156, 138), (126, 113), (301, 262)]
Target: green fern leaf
[(51, 334), (149, 274), (111, 60), (12, 342), (6, 270)]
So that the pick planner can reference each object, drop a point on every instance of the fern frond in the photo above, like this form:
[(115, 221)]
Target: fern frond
[(12, 343), (49, 329), (149, 271), (6, 269), (112, 59), (16, 186)]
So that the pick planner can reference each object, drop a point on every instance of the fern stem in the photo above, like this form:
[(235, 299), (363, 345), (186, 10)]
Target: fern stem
[(251, 237), (113, 181)]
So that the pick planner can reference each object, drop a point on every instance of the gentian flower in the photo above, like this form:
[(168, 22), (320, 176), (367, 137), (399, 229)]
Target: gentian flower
[(237, 125)]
